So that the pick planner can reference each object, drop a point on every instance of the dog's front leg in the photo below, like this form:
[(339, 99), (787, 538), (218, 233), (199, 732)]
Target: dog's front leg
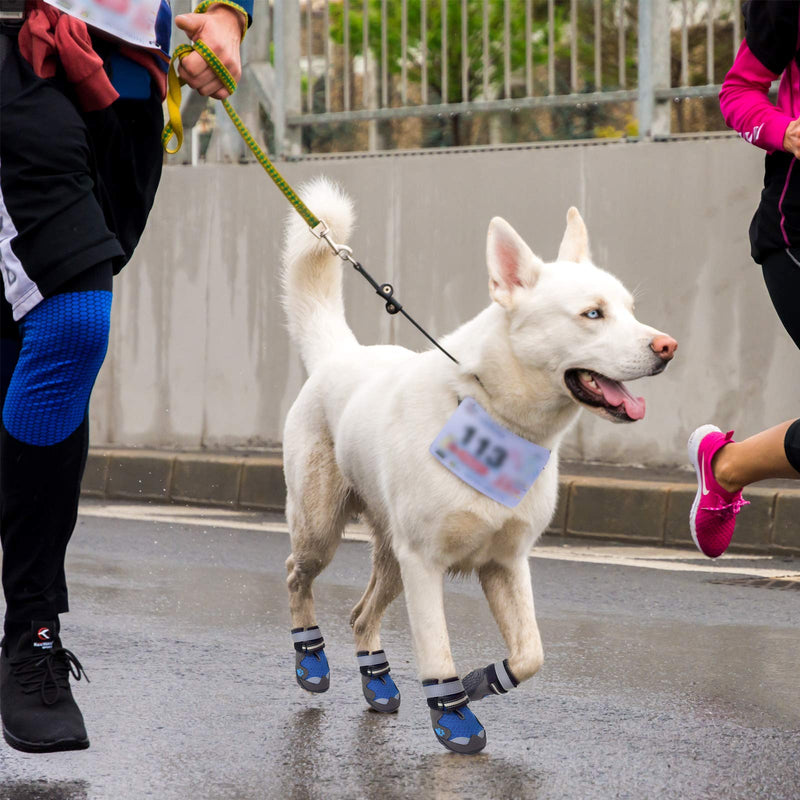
[(508, 589), (423, 585), (454, 724)]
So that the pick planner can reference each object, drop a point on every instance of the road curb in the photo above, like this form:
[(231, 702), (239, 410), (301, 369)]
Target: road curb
[(652, 512)]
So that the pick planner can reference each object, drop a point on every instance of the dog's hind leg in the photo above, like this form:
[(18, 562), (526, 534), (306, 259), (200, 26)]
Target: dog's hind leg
[(317, 508), (454, 724), (385, 584), (508, 589)]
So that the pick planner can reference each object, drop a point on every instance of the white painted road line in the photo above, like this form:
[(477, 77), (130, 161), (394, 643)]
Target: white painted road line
[(610, 554)]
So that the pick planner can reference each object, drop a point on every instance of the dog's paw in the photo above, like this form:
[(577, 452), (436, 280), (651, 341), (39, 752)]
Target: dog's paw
[(380, 690), (459, 730), (312, 671), (494, 679), (381, 693)]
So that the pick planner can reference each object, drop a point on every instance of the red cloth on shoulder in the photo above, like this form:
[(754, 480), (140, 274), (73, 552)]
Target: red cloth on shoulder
[(48, 37)]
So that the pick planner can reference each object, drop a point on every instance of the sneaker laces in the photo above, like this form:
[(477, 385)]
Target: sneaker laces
[(48, 672), (736, 505)]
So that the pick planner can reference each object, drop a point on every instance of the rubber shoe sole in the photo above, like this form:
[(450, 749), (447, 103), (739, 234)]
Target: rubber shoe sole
[(44, 747), (475, 745)]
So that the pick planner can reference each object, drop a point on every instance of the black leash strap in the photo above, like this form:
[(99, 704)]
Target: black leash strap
[(384, 290)]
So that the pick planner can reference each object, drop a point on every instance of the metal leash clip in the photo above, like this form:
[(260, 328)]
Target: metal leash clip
[(322, 231), (384, 290)]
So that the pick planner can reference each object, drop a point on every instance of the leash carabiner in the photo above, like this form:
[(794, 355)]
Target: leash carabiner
[(174, 128)]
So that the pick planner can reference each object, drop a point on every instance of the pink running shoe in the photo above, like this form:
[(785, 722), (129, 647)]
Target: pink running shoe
[(713, 515)]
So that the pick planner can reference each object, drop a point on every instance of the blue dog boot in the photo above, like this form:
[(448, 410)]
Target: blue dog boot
[(380, 690), (495, 679), (454, 724), (311, 664)]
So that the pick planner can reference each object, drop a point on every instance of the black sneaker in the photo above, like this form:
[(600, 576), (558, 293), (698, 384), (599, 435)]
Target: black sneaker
[(36, 704)]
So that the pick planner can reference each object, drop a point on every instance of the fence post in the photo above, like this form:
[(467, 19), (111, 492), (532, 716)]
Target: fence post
[(287, 75), (653, 68)]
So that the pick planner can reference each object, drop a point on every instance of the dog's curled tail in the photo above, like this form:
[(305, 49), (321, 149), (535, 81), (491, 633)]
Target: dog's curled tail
[(312, 274)]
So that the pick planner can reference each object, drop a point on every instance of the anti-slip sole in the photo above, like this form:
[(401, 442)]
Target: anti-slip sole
[(44, 747), (314, 688), (475, 745)]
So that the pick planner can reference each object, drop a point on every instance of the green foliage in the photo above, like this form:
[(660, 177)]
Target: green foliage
[(473, 126), (631, 130), (433, 39)]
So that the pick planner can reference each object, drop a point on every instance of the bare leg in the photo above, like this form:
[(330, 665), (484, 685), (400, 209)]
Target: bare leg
[(318, 504), (359, 606), (384, 585), (379, 688), (508, 589), (757, 458), (424, 591), (454, 724), (302, 567), (510, 595)]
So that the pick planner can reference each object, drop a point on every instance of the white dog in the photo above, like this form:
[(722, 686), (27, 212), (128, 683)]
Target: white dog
[(557, 337)]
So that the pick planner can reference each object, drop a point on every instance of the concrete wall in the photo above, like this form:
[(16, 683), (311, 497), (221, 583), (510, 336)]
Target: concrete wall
[(199, 357)]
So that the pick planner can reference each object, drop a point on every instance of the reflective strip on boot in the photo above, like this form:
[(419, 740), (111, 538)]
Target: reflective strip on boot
[(380, 690), (307, 640), (445, 695), (496, 678)]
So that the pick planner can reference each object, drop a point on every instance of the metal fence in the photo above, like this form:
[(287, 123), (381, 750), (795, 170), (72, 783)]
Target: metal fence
[(331, 75)]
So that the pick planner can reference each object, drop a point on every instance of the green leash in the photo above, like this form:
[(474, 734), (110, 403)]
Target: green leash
[(174, 128)]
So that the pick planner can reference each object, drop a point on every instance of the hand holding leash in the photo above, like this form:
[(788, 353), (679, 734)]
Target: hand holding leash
[(222, 29)]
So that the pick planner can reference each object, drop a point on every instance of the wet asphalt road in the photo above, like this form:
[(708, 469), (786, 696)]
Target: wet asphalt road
[(656, 683)]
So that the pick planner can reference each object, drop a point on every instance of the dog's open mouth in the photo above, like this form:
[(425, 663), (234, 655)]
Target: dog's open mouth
[(596, 390)]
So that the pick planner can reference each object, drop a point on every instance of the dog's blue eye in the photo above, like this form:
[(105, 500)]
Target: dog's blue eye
[(595, 313)]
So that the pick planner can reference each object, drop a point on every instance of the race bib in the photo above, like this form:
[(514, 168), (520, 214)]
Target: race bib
[(133, 21), (487, 456)]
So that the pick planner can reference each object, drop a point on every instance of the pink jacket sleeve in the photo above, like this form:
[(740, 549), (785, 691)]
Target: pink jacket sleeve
[(745, 103)]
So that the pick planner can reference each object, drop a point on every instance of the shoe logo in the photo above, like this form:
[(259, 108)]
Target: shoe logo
[(703, 478), (43, 634)]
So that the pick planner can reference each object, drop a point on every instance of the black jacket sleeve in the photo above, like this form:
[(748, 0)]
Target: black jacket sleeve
[(771, 30)]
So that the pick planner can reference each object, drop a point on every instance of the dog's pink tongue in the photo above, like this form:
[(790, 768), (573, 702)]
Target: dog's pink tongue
[(617, 395)]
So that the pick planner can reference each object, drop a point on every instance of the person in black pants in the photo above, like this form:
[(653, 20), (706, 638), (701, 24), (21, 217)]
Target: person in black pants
[(769, 51), (80, 161)]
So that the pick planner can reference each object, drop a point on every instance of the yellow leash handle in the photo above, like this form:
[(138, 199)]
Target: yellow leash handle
[(174, 127), (174, 83)]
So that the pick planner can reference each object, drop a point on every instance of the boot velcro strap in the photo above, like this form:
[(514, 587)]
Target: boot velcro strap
[(447, 695), (372, 664), (500, 678), (307, 640)]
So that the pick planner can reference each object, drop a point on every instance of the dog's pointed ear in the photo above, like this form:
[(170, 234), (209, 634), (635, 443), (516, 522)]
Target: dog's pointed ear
[(575, 244), (511, 262)]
